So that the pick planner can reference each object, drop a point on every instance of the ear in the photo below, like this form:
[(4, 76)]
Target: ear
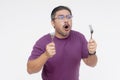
[(52, 22)]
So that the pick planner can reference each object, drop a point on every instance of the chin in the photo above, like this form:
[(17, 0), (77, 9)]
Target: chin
[(66, 34)]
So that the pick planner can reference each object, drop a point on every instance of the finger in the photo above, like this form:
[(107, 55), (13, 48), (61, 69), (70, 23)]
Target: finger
[(52, 48), (92, 40), (92, 50), (91, 47), (51, 44), (91, 44), (53, 51)]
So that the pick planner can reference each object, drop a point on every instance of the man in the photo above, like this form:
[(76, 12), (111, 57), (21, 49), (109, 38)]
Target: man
[(59, 54)]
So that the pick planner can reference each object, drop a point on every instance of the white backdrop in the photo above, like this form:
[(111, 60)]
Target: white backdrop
[(22, 22)]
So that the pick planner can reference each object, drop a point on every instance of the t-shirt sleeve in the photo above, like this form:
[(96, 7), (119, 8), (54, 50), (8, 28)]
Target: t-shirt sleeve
[(84, 47), (38, 49)]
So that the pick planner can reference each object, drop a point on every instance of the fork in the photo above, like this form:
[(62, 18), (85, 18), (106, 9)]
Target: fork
[(91, 31), (52, 34)]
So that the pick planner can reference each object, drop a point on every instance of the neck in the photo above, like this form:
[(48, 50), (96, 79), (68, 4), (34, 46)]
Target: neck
[(62, 36)]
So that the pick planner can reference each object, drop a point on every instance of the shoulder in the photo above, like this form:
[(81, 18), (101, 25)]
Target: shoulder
[(45, 37), (76, 33), (42, 41)]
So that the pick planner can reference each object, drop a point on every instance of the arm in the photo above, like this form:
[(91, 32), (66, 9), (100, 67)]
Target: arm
[(35, 65), (91, 60)]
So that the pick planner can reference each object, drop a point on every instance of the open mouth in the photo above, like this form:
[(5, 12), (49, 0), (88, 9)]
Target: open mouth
[(66, 27)]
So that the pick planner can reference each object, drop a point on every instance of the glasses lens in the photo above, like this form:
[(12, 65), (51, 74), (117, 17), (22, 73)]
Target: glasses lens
[(69, 16), (61, 17)]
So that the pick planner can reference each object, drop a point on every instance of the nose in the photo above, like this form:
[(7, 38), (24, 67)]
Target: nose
[(65, 19), (66, 23)]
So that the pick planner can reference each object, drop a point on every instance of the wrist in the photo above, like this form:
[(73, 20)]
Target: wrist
[(47, 55), (92, 53)]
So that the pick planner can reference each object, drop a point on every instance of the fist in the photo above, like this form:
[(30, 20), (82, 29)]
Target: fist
[(50, 49), (92, 46)]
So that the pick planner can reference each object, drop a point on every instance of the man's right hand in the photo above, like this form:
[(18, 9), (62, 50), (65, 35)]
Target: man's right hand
[(50, 49)]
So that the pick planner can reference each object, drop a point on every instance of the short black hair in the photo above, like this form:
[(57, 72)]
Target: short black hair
[(57, 9)]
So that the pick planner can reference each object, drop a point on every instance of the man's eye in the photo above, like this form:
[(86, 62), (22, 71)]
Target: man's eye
[(61, 17), (69, 16)]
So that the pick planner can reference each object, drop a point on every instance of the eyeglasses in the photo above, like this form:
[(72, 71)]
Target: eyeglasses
[(61, 17)]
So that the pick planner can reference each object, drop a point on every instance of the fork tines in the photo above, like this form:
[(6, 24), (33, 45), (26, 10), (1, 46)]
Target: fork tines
[(91, 29)]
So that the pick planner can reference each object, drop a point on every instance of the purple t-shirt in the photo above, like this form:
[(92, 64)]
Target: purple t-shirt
[(65, 64)]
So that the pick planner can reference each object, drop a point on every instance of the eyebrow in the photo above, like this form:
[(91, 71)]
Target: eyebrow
[(60, 15), (63, 15)]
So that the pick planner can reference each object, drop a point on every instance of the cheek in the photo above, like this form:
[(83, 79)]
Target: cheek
[(59, 24), (70, 22)]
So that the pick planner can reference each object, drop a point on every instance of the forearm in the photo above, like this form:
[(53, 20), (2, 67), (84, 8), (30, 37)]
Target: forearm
[(34, 66), (91, 60)]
